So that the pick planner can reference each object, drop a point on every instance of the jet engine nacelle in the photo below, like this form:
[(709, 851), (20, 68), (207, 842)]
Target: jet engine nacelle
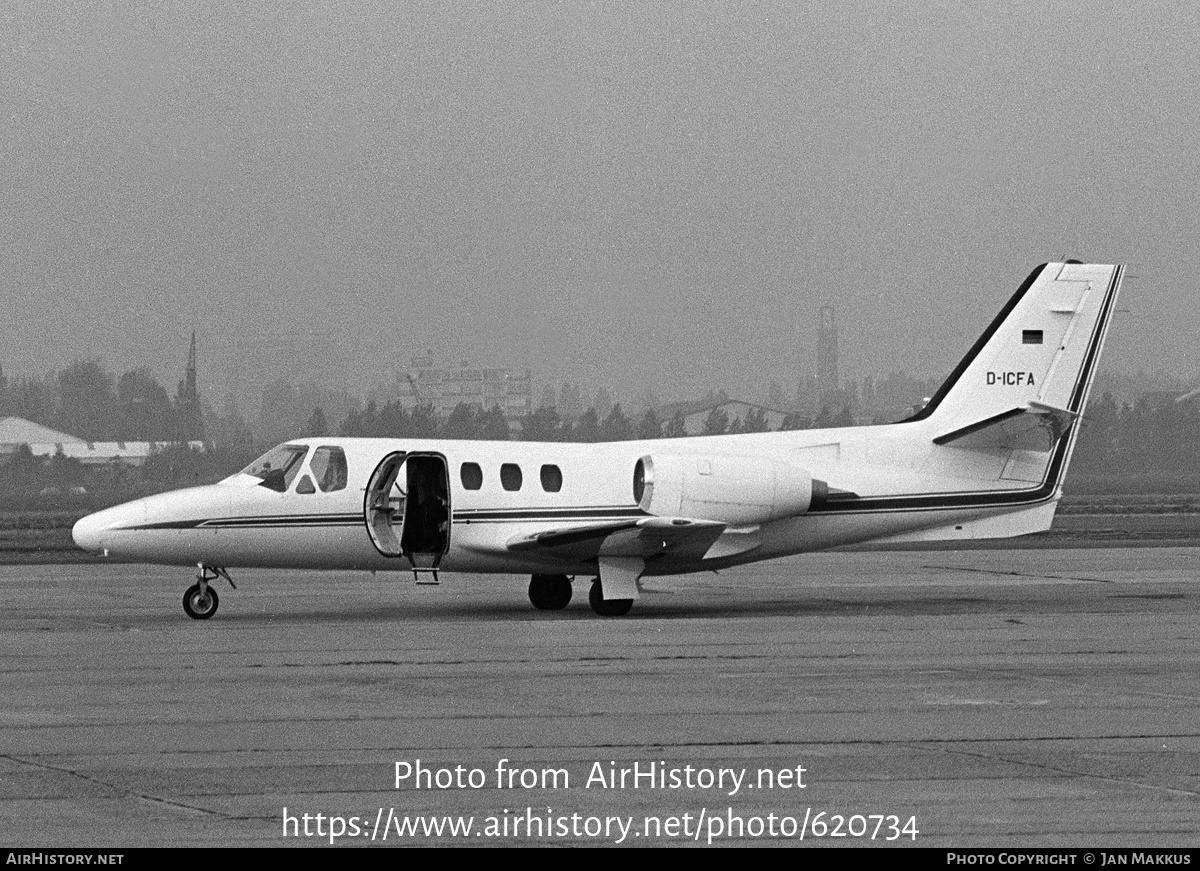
[(735, 490)]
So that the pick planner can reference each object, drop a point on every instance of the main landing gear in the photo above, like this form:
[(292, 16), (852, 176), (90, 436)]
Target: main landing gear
[(553, 593), (549, 592), (607, 607), (201, 600)]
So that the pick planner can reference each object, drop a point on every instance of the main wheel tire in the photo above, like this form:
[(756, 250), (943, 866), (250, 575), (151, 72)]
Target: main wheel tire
[(607, 607), (549, 592), (198, 605)]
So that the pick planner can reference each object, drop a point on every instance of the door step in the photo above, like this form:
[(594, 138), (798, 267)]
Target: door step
[(417, 573)]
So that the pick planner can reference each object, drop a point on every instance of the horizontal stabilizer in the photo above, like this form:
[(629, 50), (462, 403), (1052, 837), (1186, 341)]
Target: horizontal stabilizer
[(1036, 427)]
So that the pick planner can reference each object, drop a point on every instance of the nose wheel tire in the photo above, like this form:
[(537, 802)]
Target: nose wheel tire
[(549, 592), (607, 607), (200, 604)]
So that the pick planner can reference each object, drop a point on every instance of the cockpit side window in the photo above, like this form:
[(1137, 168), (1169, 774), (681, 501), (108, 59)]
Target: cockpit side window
[(328, 466), (277, 468)]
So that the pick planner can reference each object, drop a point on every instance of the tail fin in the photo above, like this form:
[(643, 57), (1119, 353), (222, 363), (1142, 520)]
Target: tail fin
[(1016, 397), (1027, 378)]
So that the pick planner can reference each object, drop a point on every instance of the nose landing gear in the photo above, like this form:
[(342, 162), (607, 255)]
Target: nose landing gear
[(200, 601)]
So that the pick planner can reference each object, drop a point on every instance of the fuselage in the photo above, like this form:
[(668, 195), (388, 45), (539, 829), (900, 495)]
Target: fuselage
[(521, 489)]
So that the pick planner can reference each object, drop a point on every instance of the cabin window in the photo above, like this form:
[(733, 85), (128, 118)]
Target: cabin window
[(277, 469), (551, 479), (471, 476), (328, 466), (305, 485), (1031, 337), (510, 476)]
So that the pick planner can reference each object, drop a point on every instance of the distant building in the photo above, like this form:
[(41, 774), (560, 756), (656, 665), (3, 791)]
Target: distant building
[(17, 431), (695, 414), (444, 387), (1190, 396), (191, 418), (46, 442), (827, 355)]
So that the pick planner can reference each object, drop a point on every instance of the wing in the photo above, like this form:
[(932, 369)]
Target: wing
[(680, 537), (622, 548)]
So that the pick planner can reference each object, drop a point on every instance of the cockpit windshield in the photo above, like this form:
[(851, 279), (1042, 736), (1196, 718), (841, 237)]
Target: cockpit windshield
[(278, 467)]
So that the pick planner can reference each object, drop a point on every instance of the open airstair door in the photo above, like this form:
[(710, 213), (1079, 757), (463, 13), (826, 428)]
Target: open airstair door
[(407, 510)]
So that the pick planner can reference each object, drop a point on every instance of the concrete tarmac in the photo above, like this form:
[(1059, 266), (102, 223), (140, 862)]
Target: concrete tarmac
[(981, 698)]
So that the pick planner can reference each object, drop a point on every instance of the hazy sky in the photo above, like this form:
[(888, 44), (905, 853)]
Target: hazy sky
[(638, 195)]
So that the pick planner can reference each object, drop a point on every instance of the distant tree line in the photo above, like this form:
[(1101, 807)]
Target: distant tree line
[(468, 421), (395, 420), (1149, 444)]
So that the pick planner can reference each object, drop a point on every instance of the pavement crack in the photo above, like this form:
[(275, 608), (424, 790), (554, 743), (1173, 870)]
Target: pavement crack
[(119, 790), (1013, 574), (1062, 769)]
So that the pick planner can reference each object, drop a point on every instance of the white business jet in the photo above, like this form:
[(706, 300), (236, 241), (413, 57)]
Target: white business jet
[(984, 458)]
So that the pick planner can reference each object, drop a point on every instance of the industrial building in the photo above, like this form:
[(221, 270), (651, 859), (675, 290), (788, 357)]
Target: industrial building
[(46, 442), (445, 387)]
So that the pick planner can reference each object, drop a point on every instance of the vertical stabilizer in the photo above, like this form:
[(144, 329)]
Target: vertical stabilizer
[(1038, 355)]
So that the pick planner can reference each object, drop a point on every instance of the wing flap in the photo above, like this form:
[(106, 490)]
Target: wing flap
[(681, 537), (568, 537)]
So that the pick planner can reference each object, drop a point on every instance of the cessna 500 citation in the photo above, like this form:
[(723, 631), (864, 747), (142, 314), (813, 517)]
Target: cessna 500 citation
[(985, 458)]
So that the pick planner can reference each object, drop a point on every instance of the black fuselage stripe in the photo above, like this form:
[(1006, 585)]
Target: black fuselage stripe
[(575, 513)]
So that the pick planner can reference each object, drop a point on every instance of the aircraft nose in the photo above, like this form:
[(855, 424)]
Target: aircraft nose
[(87, 532), (93, 531)]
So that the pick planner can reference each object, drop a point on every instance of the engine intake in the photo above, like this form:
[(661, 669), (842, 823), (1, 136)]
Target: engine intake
[(732, 490)]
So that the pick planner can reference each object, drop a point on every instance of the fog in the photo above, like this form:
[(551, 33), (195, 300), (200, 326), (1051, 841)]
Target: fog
[(634, 195)]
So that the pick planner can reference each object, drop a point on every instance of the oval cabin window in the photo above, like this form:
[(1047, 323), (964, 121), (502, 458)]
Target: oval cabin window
[(551, 478), (471, 475), (510, 476)]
